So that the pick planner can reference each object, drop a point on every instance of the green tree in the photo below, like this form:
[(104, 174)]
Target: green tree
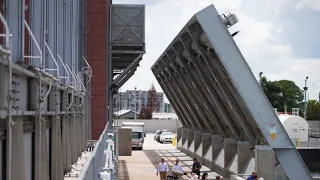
[(313, 110), (283, 93)]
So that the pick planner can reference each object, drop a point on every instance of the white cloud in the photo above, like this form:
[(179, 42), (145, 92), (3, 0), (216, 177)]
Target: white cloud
[(312, 4), (259, 41)]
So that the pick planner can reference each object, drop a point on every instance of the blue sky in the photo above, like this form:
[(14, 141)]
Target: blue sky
[(277, 37)]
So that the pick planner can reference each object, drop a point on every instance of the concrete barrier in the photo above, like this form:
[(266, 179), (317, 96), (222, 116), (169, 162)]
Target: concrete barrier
[(235, 177)]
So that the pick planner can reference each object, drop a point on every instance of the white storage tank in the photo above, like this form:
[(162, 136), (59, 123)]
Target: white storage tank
[(296, 126)]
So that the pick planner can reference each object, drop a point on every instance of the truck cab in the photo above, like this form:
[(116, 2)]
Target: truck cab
[(138, 134)]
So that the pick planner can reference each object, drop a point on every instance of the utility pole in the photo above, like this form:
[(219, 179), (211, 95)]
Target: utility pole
[(305, 88), (260, 78), (135, 103)]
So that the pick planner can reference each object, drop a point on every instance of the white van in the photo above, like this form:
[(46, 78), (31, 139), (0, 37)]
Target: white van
[(138, 134)]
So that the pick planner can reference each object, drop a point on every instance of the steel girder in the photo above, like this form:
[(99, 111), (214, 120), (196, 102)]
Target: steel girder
[(189, 92), (176, 94), (204, 69)]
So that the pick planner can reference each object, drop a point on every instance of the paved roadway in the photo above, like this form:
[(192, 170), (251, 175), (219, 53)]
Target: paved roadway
[(142, 164)]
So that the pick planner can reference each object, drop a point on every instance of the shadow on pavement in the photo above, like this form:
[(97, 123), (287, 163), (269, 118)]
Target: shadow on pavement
[(170, 157), (123, 170)]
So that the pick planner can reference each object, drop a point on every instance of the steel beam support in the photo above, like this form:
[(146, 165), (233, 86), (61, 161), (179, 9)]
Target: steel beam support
[(109, 74), (52, 35), (195, 106), (218, 100), (40, 148), (215, 56), (178, 110), (222, 79), (250, 95), (56, 136), (176, 93), (37, 26), (65, 135), (15, 19), (200, 89), (126, 74), (172, 98), (197, 97), (4, 89)]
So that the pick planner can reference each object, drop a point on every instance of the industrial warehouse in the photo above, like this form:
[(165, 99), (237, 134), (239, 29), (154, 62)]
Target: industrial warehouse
[(63, 63)]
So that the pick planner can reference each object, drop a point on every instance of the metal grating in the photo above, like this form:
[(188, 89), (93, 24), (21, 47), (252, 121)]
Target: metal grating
[(127, 41)]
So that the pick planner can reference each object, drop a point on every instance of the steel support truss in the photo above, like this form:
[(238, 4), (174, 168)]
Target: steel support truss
[(212, 89)]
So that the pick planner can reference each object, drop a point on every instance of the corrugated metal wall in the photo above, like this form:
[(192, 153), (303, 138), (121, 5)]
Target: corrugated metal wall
[(45, 93)]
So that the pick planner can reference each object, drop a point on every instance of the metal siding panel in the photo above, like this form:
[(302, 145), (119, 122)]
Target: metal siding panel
[(73, 34), (16, 25), (82, 32), (128, 22), (51, 34), (60, 37), (26, 33), (37, 26), (67, 37)]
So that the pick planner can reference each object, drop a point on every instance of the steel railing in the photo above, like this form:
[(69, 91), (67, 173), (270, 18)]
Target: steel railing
[(100, 164)]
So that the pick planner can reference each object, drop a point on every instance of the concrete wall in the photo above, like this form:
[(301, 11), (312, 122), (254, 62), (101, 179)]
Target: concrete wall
[(129, 115), (314, 124), (151, 126), (125, 139)]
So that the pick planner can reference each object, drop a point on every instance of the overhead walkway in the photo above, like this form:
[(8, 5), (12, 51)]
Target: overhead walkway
[(227, 120)]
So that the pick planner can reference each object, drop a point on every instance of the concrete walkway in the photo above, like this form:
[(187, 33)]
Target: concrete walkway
[(142, 164)]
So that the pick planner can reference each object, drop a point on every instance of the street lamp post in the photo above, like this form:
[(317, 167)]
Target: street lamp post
[(135, 103), (305, 88), (260, 78)]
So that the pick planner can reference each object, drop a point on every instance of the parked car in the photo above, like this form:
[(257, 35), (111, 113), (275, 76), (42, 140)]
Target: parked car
[(166, 137), (157, 135)]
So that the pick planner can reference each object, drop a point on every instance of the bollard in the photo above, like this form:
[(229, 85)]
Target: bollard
[(105, 175), (174, 142)]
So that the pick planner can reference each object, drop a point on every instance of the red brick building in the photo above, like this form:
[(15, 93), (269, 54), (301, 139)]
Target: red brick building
[(97, 30), (127, 46)]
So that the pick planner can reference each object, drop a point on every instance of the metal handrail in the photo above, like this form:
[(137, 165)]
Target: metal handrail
[(54, 60), (81, 83), (36, 43), (71, 75), (85, 60), (76, 79), (66, 70), (7, 31)]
